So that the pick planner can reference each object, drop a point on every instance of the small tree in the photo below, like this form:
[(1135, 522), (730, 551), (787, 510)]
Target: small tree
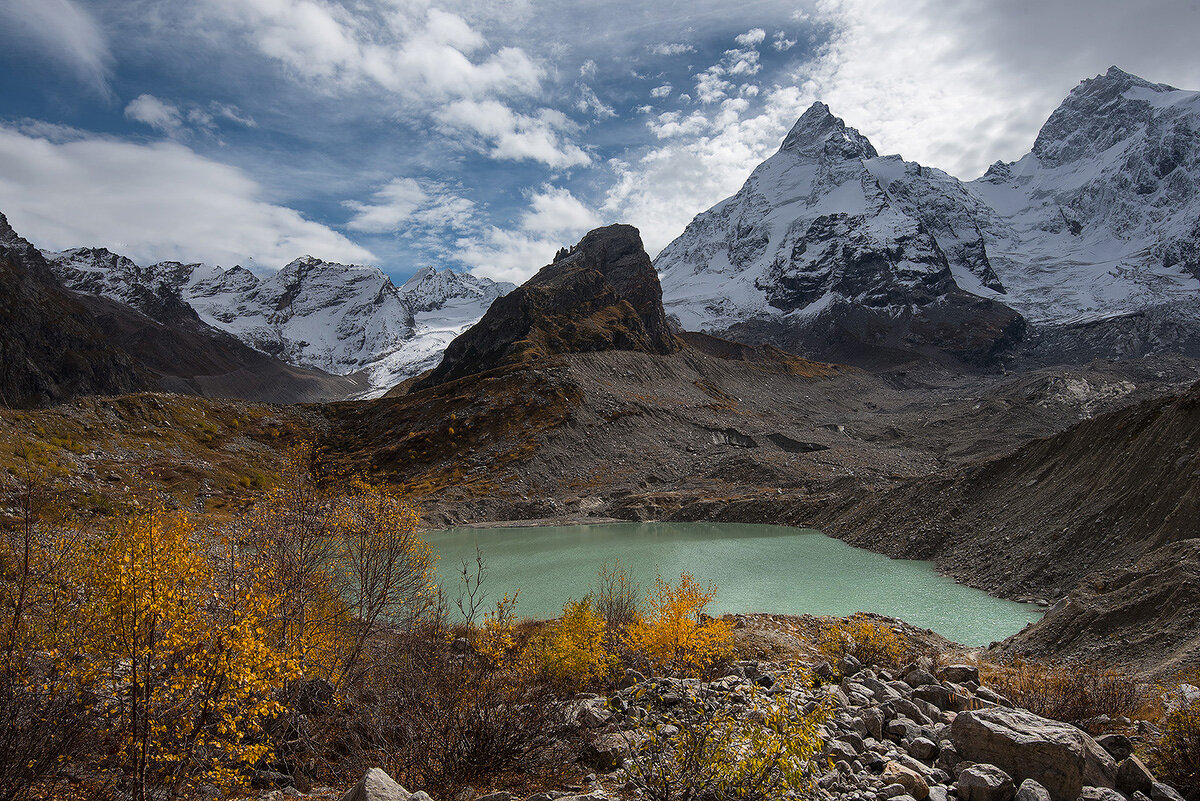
[(574, 649), (183, 664), (675, 635)]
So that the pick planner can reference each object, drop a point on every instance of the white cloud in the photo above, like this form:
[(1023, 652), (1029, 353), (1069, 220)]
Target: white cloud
[(671, 49), (661, 91), (151, 202), (971, 81), (414, 210), (63, 30), (781, 42), (390, 206), (149, 110), (555, 218), (704, 157), (590, 103), (512, 135), (751, 38), (429, 56), (170, 119)]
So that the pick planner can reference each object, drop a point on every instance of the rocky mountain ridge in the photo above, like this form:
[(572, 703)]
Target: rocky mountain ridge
[(341, 319), (827, 240), (58, 344)]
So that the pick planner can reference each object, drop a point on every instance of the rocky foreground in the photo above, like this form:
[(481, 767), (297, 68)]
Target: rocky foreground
[(910, 735)]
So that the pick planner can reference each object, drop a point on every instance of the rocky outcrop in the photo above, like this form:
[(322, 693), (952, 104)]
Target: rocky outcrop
[(51, 346), (1058, 756), (376, 785), (601, 295)]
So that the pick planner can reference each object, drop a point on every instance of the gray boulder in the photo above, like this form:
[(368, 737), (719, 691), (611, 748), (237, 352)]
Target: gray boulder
[(1058, 756), (960, 674), (376, 785), (1032, 791), (1133, 776), (985, 783)]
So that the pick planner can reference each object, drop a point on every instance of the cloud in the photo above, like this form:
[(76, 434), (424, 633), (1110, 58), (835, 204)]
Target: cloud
[(151, 111), (151, 202), (431, 56), (390, 206), (512, 135), (671, 49), (971, 81), (171, 120), (781, 42), (751, 38), (62, 30), (415, 210), (661, 91), (590, 103), (704, 157), (555, 218)]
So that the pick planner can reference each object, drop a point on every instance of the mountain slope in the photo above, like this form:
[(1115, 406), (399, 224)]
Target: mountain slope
[(829, 243), (1102, 217), (340, 319), (50, 346)]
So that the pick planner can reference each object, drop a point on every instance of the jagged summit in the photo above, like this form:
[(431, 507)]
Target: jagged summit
[(819, 130), (1098, 113), (602, 294)]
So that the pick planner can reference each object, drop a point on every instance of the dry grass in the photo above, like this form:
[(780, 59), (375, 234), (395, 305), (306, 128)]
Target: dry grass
[(1074, 693)]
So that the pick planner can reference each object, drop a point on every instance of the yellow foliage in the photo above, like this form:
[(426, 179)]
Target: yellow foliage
[(1175, 755), (182, 656), (674, 634), (868, 641), (497, 640), (767, 751), (574, 648)]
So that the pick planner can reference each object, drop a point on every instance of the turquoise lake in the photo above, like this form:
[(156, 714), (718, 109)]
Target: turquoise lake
[(756, 569)]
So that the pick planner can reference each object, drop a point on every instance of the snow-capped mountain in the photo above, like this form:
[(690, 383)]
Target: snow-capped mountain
[(1101, 219), (334, 317)]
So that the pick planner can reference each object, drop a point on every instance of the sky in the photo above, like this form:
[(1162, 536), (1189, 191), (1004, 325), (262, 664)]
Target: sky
[(485, 134)]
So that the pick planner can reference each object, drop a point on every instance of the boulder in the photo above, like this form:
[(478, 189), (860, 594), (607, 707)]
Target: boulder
[(923, 748), (1058, 756), (1118, 746), (1164, 792), (1032, 791), (960, 674), (1100, 794), (1133, 776), (914, 783), (376, 785), (609, 751), (985, 783)]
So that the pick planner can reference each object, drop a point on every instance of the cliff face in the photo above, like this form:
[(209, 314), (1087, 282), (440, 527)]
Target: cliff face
[(601, 295)]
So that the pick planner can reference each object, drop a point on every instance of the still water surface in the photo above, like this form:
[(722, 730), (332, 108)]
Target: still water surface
[(756, 569)]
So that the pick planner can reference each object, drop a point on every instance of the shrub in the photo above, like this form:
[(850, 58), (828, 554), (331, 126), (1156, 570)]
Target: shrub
[(675, 635), (574, 649), (765, 751), (869, 641), (1074, 693), (616, 597), (1175, 754), (180, 658)]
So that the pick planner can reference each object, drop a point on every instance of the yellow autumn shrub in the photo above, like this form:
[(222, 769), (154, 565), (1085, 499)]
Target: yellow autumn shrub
[(181, 659), (1175, 754), (674, 634), (768, 749), (574, 649), (869, 641)]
